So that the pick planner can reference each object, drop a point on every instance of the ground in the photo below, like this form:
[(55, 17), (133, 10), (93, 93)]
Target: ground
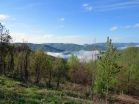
[(15, 92)]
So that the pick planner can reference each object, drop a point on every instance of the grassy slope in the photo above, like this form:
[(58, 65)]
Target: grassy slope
[(15, 92)]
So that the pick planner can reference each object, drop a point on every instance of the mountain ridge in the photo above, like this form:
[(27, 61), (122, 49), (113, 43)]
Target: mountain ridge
[(60, 47)]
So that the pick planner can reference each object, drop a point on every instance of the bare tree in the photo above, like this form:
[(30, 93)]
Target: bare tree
[(5, 39)]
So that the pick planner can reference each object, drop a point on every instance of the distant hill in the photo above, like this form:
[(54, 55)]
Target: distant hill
[(69, 47), (66, 46), (45, 47), (88, 47)]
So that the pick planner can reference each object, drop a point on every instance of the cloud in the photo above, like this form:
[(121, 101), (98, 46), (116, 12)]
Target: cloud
[(114, 28), (62, 19), (132, 26), (20, 37), (3, 17), (29, 5), (127, 26), (136, 25), (49, 38), (87, 7), (116, 5), (108, 6)]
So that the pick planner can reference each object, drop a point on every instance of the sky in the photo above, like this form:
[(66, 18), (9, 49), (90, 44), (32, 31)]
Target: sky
[(71, 21)]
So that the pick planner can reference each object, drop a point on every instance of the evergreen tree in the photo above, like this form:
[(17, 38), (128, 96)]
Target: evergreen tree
[(107, 70)]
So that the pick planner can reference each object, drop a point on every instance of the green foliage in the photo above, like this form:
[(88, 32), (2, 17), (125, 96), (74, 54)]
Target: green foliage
[(80, 72), (69, 47), (115, 71), (107, 70), (38, 64), (73, 62), (59, 70), (129, 77), (5, 39), (14, 92)]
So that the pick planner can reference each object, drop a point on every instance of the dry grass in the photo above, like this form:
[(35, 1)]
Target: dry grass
[(126, 99)]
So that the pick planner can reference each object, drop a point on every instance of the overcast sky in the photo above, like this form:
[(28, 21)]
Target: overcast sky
[(71, 21)]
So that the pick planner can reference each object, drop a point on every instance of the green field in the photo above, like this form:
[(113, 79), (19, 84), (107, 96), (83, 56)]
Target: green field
[(15, 92)]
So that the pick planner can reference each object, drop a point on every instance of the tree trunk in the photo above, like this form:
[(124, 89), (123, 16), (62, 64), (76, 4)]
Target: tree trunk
[(4, 68), (12, 61), (50, 78), (25, 70), (21, 72), (37, 75), (128, 81), (57, 84)]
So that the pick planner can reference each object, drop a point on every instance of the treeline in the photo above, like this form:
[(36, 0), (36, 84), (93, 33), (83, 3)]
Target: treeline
[(116, 71)]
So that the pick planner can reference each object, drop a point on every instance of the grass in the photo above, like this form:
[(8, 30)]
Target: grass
[(15, 92)]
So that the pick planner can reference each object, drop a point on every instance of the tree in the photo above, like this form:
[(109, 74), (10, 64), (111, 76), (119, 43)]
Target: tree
[(107, 70), (38, 64), (59, 70), (22, 54), (129, 81), (48, 69), (73, 65), (73, 62), (10, 59), (26, 51), (5, 39)]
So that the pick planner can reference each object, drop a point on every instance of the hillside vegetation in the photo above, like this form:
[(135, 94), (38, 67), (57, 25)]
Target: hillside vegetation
[(15, 92), (61, 47), (108, 80)]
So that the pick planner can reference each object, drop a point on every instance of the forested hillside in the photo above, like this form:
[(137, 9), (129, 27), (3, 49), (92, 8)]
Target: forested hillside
[(68, 47), (32, 77)]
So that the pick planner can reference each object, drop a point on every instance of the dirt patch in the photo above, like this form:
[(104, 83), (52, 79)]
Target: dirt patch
[(126, 99)]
